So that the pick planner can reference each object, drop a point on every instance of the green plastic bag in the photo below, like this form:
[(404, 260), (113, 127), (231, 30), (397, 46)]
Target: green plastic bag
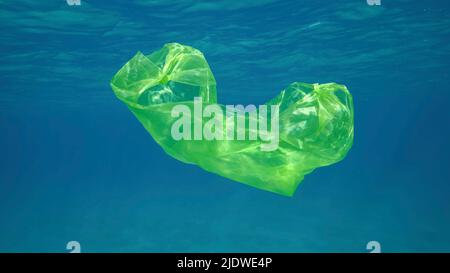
[(315, 125)]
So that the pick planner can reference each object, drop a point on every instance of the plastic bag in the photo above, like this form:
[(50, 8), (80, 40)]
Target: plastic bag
[(315, 121)]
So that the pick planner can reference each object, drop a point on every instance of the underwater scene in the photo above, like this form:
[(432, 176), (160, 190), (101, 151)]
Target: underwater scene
[(84, 163)]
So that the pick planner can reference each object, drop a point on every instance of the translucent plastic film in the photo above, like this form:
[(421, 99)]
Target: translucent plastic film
[(314, 122)]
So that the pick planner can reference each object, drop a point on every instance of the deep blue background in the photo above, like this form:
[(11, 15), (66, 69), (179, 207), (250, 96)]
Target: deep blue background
[(76, 165)]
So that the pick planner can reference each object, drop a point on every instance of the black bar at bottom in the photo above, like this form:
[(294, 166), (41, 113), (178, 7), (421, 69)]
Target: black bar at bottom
[(224, 262)]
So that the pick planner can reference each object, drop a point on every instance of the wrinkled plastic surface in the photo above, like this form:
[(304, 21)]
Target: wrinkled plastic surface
[(315, 120)]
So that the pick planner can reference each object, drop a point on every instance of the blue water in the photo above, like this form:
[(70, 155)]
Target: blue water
[(76, 165)]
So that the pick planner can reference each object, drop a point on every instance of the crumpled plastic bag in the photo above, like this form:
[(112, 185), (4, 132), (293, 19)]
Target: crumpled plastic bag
[(315, 120)]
